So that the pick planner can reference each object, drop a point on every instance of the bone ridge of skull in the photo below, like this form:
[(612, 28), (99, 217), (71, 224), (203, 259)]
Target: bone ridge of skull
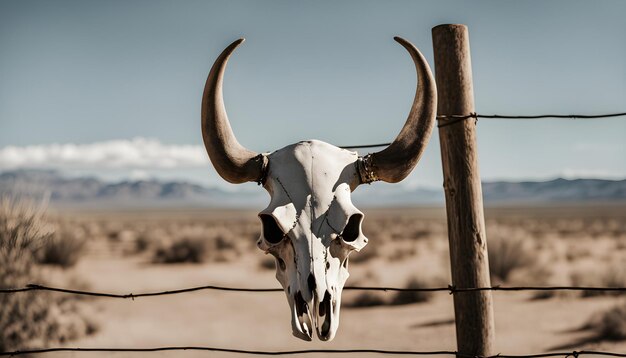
[(311, 227)]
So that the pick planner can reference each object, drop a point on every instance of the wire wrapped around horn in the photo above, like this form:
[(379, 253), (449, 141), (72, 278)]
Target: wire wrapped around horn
[(231, 160), (396, 162)]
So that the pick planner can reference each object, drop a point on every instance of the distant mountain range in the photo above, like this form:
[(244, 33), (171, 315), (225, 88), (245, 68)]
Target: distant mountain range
[(94, 193)]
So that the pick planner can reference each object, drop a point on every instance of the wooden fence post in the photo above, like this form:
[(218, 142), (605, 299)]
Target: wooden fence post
[(475, 329)]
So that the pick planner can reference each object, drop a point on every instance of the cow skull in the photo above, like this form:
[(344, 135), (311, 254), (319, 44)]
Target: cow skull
[(311, 225)]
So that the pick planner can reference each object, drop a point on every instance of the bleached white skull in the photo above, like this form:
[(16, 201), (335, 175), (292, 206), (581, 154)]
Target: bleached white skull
[(311, 225)]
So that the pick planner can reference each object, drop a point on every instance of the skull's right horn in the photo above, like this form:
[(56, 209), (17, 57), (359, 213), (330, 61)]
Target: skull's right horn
[(233, 162), (396, 162)]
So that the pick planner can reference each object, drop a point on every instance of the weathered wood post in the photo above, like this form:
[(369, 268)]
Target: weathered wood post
[(475, 329)]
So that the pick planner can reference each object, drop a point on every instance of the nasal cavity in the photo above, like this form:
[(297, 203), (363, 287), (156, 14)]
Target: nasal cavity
[(353, 228), (324, 305), (311, 282)]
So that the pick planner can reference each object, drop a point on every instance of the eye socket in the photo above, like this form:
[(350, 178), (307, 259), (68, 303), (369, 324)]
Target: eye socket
[(352, 229), (271, 231)]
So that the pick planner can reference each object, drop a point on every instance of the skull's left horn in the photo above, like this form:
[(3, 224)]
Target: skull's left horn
[(233, 162), (396, 162)]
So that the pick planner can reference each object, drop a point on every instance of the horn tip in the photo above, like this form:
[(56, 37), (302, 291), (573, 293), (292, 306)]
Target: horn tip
[(405, 43), (399, 39)]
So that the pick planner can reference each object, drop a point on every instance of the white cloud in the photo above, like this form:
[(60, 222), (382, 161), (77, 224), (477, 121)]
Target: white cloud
[(136, 153)]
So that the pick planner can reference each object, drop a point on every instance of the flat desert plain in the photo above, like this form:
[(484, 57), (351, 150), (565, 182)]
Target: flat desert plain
[(142, 251)]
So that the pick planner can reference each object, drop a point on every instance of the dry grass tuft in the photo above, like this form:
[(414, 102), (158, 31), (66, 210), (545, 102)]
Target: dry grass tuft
[(611, 276), (372, 299), (507, 254), (408, 297), (197, 243), (64, 248), (31, 319), (184, 250), (367, 299), (142, 243), (367, 253), (609, 325)]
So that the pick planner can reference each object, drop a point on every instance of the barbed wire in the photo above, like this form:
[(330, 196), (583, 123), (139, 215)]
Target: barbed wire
[(449, 119), (446, 120), (567, 116), (364, 146), (574, 354), (450, 289)]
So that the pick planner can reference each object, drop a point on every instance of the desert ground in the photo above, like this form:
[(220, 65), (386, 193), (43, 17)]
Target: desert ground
[(141, 251)]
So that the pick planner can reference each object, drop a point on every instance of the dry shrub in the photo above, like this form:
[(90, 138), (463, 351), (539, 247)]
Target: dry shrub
[(224, 246), (574, 253), (402, 253), (142, 243), (371, 299), (198, 243), (367, 299), (507, 254), (539, 275), (148, 239), (32, 319), (268, 263), (186, 249), (408, 297), (419, 234), (224, 243), (64, 248), (113, 235), (612, 276), (543, 295), (367, 253), (609, 325)]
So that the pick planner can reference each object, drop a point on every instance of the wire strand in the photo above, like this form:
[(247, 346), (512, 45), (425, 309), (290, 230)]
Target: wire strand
[(450, 289), (449, 119), (567, 116), (364, 146), (309, 351)]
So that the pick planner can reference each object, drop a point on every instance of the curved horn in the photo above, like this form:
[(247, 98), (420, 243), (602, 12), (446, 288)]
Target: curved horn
[(233, 162), (395, 162)]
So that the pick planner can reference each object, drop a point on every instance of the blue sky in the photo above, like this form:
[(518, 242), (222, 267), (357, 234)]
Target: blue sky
[(94, 77)]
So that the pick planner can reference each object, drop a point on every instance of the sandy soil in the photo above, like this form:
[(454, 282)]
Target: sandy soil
[(260, 321)]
